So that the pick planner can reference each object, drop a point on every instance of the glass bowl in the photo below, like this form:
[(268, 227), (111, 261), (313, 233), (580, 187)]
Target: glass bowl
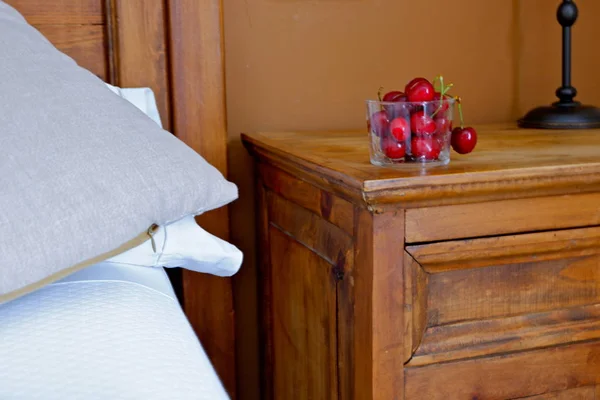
[(410, 133)]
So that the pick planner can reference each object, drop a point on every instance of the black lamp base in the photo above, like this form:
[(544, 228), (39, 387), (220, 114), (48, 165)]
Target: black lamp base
[(562, 116), (565, 113)]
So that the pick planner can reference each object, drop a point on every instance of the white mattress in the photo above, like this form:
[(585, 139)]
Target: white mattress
[(107, 332)]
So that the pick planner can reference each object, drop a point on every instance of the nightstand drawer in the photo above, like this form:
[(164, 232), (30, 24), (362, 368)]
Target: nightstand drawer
[(569, 372), (475, 298), (484, 316), (502, 217)]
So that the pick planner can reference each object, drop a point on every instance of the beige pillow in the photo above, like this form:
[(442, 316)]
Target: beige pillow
[(84, 174)]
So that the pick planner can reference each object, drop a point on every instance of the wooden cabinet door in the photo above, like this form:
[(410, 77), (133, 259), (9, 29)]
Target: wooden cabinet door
[(504, 317), (303, 322), (303, 263)]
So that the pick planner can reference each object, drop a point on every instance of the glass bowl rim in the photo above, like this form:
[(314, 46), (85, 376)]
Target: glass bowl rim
[(450, 100)]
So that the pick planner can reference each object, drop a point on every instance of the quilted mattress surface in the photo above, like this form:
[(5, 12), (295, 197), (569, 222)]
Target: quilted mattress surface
[(108, 332)]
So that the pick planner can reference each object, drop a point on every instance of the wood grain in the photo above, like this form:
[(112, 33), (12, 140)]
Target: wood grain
[(583, 393), (502, 217), (305, 244), (415, 305), (505, 335), (346, 359), (304, 322), (508, 377), (61, 12), (84, 43), (323, 238), (265, 293), (378, 344), (140, 43), (512, 289), (197, 77), (477, 253), (198, 118), (332, 208), (364, 376), (217, 340), (509, 163)]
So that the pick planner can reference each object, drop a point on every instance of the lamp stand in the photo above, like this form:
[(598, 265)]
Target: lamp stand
[(566, 113)]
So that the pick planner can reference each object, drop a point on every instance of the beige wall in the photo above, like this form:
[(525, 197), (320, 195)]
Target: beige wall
[(310, 64)]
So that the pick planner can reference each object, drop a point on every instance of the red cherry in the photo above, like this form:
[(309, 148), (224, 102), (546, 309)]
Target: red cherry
[(400, 129), (427, 148), (442, 124), (419, 90), (422, 124), (463, 140), (393, 149), (394, 96), (413, 81), (399, 107), (379, 123)]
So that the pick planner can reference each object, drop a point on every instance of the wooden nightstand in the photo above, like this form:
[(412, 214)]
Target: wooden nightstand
[(477, 280)]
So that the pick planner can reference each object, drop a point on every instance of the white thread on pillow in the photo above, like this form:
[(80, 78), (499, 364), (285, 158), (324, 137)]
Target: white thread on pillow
[(186, 245)]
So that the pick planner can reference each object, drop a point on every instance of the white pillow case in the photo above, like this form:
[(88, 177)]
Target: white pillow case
[(142, 98), (182, 243)]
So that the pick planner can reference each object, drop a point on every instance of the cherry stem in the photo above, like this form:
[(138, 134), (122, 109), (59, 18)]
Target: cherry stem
[(443, 91), (460, 112), (440, 79), (379, 93)]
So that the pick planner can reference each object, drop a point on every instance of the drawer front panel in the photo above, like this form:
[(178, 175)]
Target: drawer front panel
[(498, 295), (502, 217), (513, 289), (581, 393), (516, 376)]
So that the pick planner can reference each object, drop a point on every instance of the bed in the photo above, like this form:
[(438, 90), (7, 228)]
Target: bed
[(88, 336), (173, 47)]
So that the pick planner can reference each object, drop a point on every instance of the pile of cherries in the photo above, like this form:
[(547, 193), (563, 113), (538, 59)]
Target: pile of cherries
[(418, 117)]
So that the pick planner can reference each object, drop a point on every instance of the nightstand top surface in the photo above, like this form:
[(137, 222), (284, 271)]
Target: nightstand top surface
[(506, 161)]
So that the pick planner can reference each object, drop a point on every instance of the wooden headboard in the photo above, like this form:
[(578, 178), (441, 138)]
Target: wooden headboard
[(176, 48)]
